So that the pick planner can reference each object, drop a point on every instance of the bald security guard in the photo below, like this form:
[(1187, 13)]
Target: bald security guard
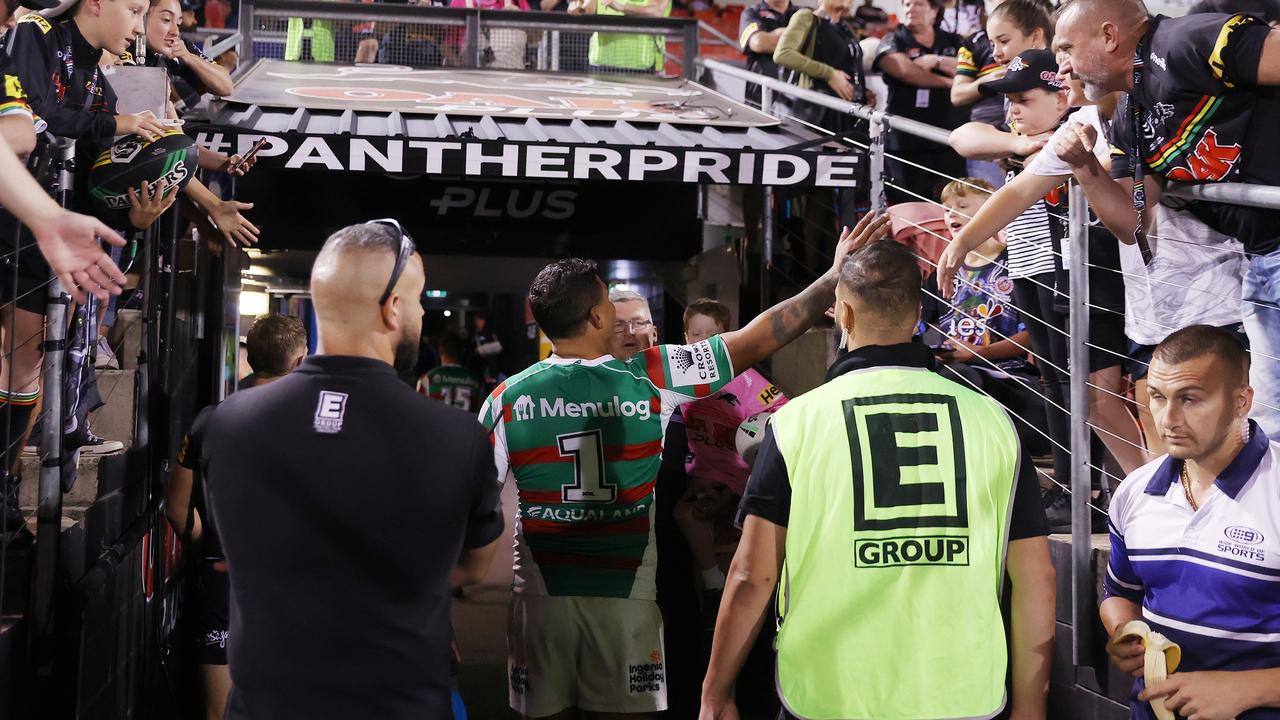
[(890, 492), (341, 547)]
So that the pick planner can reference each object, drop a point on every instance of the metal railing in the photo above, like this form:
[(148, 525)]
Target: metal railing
[(1084, 601), (427, 36)]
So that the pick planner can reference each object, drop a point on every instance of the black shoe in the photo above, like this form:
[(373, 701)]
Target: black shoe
[(1099, 512), (1057, 509), (13, 526)]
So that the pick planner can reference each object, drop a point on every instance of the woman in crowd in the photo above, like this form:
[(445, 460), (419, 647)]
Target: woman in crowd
[(918, 62), (820, 48), (1012, 27)]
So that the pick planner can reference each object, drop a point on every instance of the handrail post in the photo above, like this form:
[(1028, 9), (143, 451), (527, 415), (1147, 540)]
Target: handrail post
[(766, 99), (876, 165), (690, 54), (248, 23), (49, 498), (766, 244), (1084, 606), (471, 46), (555, 50)]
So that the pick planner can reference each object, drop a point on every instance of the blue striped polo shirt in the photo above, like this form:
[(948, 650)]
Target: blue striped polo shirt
[(1209, 579)]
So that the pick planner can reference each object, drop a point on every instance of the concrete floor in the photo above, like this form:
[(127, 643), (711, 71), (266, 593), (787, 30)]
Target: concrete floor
[(480, 622)]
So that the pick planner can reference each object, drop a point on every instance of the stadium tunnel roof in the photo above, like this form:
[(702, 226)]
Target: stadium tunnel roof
[(499, 123)]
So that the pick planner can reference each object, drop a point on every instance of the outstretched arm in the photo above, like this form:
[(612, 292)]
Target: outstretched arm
[(789, 319), (1006, 204)]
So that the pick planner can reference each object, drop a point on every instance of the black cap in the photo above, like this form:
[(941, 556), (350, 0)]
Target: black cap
[(39, 4), (1031, 69)]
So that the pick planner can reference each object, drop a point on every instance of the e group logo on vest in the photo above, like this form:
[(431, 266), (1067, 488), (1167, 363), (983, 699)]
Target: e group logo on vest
[(909, 476)]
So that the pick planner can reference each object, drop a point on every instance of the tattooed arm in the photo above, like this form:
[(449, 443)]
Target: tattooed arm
[(789, 319)]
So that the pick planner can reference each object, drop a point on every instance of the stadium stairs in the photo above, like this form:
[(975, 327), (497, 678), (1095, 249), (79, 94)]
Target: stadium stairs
[(94, 515)]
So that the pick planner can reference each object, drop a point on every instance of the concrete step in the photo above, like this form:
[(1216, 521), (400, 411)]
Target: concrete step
[(85, 491), (114, 420)]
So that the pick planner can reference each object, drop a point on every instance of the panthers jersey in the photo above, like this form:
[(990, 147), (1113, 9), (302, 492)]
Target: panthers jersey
[(583, 441)]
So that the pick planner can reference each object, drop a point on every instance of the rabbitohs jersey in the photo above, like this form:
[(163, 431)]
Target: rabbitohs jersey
[(583, 440)]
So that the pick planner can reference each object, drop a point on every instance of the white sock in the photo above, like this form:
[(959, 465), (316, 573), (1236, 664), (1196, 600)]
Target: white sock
[(713, 579)]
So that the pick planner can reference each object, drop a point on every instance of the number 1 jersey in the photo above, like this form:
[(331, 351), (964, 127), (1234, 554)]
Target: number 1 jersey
[(583, 441)]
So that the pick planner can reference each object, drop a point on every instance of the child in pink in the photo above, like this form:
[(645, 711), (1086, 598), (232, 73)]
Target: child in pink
[(717, 473)]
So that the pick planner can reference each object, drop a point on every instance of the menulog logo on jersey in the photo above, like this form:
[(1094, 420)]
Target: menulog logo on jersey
[(524, 408), (692, 364)]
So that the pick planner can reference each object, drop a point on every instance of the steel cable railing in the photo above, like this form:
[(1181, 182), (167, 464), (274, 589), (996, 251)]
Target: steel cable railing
[(1076, 261)]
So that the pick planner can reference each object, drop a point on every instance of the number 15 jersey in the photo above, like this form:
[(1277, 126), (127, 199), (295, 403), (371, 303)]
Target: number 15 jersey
[(583, 441)]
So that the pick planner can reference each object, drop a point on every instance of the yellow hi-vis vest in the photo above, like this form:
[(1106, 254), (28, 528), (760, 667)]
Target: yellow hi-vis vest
[(901, 487), (631, 51)]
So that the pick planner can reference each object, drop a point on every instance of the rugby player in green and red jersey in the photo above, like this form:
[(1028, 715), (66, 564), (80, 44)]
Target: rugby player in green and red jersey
[(581, 433)]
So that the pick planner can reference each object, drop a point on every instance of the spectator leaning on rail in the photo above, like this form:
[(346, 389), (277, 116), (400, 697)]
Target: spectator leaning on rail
[(821, 47), (918, 62), (1195, 539), (896, 498), (759, 30), (1202, 108)]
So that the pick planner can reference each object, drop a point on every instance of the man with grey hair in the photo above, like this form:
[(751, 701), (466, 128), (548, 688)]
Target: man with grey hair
[(340, 591), (633, 330), (1201, 108)]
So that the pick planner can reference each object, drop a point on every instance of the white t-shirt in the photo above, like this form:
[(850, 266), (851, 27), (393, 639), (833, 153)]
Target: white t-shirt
[(1194, 267)]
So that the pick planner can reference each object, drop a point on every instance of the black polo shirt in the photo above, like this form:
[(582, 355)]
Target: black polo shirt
[(1204, 117), (761, 18), (928, 105), (344, 499), (768, 493), (976, 60)]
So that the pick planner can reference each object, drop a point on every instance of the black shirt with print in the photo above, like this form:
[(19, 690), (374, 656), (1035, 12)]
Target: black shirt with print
[(931, 105), (976, 60), (1204, 118), (760, 18), (67, 91)]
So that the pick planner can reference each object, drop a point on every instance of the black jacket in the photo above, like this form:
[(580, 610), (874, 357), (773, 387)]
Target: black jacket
[(68, 93)]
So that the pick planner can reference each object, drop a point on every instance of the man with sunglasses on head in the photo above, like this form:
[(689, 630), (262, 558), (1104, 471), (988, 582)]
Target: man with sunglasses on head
[(342, 550), (581, 433)]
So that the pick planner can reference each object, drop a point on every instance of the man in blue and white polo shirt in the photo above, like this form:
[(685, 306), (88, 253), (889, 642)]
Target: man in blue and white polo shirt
[(1195, 538)]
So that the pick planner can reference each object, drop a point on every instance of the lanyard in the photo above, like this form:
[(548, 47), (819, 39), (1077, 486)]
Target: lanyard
[(1135, 155), (68, 64)]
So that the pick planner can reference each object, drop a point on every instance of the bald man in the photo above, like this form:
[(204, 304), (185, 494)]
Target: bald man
[(1203, 109), (349, 506)]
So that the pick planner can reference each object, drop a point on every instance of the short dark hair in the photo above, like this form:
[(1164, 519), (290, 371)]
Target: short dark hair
[(450, 344), (563, 294), (884, 276), (273, 342), (714, 309), (1027, 15), (1196, 341)]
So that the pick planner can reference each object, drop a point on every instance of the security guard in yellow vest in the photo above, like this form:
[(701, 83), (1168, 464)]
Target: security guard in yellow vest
[(897, 499)]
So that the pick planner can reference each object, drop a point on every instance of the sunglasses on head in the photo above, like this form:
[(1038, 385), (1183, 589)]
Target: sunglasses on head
[(404, 250)]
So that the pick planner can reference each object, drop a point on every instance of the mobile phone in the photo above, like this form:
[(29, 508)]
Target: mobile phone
[(261, 143)]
